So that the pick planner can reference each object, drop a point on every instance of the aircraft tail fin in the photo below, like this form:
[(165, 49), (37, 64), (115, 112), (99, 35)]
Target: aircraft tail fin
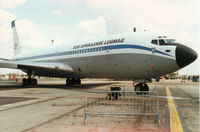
[(17, 47)]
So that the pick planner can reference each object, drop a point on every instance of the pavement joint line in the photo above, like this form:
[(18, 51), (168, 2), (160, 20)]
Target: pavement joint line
[(188, 95), (41, 101), (175, 122), (55, 118), (17, 89), (167, 125)]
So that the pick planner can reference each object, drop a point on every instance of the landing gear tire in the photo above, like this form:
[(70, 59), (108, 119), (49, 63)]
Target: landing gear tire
[(71, 81), (141, 87), (29, 82), (68, 81), (34, 81), (138, 87), (145, 87), (24, 82)]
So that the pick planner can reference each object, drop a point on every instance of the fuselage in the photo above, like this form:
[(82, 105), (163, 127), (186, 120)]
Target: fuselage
[(128, 56)]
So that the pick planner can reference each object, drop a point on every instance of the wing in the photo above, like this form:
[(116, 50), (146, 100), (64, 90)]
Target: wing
[(40, 68)]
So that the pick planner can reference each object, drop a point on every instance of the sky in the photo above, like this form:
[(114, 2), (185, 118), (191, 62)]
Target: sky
[(69, 21)]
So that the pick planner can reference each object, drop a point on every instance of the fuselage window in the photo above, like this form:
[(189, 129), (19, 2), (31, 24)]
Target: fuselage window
[(161, 42), (155, 41)]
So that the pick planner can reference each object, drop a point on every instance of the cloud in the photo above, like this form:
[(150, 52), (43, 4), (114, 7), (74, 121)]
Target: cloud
[(5, 28), (57, 12), (11, 3), (6, 34), (177, 19), (29, 35), (156, 12), (93, 28), (69, 1)]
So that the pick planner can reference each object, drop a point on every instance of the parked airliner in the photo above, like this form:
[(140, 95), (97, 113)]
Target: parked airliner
[(136, 56)]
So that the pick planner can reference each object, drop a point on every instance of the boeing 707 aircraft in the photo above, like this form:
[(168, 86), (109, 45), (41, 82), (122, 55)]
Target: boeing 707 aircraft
[(136, 56)]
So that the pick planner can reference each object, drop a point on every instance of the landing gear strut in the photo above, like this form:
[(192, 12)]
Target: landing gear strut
[(141, 87), (71, 81), (29, 81)]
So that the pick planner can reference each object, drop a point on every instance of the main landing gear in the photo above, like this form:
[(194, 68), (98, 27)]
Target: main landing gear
[(71, 81), (29, 81), (141, 87)]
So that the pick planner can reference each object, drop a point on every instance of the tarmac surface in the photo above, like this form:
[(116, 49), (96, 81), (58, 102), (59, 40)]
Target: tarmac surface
[(53, 107)]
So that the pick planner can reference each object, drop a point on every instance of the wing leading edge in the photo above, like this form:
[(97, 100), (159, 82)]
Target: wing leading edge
[(40, 68)]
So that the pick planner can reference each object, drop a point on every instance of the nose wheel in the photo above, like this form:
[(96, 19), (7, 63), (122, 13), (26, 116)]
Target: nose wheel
[(141, 87)]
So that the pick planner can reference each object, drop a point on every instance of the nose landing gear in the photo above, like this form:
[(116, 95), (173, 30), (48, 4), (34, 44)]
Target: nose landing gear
[(141, 87)]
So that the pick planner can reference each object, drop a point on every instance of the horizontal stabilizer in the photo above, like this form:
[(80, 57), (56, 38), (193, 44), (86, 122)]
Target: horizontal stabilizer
[(7, 64)]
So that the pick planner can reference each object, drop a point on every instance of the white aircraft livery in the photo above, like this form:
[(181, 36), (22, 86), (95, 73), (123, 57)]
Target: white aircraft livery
[(136, 56)]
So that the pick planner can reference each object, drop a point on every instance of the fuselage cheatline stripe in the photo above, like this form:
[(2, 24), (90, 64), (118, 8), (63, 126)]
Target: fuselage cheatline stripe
[(81, 51)]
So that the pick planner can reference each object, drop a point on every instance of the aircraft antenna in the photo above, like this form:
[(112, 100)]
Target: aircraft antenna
[(134, 29), (52, 41)]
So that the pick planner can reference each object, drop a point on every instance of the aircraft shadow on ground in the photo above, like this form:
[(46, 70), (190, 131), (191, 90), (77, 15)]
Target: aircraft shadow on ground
[(8, 86), (59, 86), (82, 86)]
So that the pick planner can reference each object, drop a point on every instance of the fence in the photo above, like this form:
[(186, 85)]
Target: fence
[(111, 103)]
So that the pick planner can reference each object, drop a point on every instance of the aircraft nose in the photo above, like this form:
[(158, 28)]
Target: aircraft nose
[(185, 55)]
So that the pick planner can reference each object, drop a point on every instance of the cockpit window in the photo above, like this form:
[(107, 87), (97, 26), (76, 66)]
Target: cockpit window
[(155, 41), (161, 42), (170, 41), (164, 41)]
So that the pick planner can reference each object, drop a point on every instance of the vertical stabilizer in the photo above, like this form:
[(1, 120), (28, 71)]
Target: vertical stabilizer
[(17, 47)]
